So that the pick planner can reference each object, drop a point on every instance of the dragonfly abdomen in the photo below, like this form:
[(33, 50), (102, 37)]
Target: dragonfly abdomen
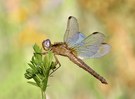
[(84, 66)]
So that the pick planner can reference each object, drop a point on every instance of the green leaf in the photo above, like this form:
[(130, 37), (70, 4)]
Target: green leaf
[(36, 48), (32, 83), (37, 80), (32, 66), (29, 73), (50, 56)]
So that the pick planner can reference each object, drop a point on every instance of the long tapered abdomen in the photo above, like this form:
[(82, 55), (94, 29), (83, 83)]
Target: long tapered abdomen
[(84, 66)]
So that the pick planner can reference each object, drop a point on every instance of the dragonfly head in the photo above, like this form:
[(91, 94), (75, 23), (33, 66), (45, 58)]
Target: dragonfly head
[(46, 44)]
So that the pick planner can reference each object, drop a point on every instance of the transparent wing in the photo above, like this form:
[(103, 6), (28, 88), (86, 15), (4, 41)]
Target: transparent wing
[(90, 45), (72, 32), (103, 49), (75, 39), (85, 47)]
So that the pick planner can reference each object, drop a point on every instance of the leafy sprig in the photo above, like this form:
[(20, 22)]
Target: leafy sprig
[(40, 68)]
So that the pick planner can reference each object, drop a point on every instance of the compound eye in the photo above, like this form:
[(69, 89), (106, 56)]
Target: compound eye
[(46, 44)]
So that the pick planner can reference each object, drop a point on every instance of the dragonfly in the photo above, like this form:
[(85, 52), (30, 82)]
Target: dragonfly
[(77, 46)]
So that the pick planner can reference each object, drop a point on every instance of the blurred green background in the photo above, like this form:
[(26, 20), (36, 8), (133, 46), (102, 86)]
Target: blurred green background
[(26, 22)]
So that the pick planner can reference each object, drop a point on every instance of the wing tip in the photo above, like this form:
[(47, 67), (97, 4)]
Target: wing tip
[(103, 43), (95, 33), (70, 17)]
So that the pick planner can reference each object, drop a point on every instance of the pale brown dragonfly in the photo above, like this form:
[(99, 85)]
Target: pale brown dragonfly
[(77, 46)]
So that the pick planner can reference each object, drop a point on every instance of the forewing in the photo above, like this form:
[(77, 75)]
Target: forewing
[(72, 32), (75, 39), (90, 45)]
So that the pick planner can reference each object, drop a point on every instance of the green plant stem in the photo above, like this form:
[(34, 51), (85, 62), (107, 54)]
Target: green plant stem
[(43, 94)]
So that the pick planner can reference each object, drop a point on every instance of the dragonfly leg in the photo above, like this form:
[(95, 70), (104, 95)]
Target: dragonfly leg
[(57, 62)]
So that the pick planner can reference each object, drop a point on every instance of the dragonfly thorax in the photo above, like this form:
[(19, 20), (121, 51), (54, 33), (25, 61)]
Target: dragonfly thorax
[(46, 44)]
